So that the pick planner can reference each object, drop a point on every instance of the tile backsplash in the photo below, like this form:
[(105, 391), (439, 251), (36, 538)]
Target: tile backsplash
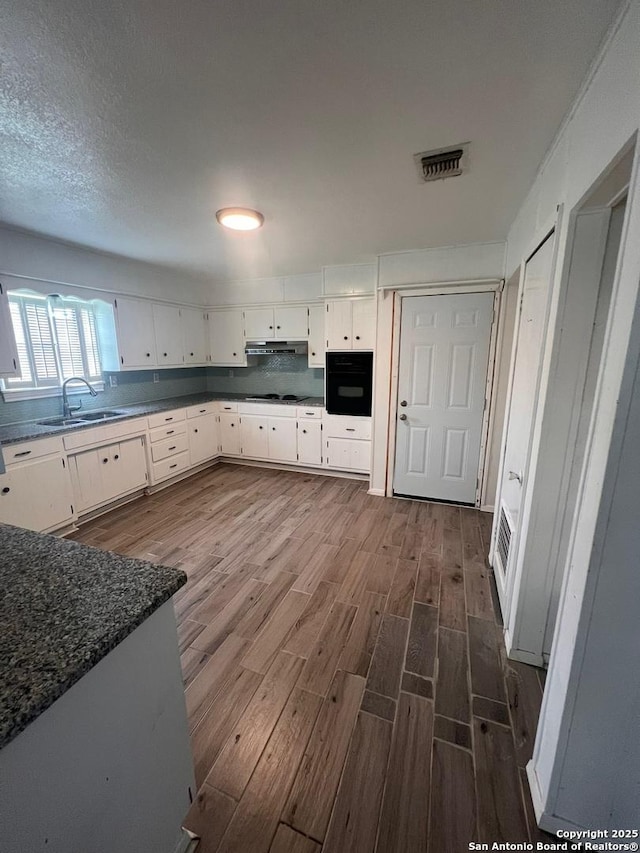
[(135, 386), (278, 374), (272, 374)]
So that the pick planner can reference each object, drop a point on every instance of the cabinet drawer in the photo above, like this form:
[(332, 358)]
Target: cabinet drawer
[(204, 409), (224, 406), (169, 447), (310, 412), (338, 426), (160, 433), (27, 450), (163, 418), (170, 467)]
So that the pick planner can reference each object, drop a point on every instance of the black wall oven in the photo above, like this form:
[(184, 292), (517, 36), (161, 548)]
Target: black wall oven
[(349, 383)]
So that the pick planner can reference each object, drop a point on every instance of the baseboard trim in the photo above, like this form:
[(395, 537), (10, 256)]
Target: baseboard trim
[(299, 469), (379, 492), (547, 822), (188, 842)]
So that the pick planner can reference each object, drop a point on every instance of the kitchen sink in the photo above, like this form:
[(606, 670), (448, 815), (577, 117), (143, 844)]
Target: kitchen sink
[(61, 422), (98, 416)]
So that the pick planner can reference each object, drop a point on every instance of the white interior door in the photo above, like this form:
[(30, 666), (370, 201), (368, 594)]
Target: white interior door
[(444, 355), (524, 392)]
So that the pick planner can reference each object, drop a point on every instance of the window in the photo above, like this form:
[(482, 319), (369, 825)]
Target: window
[(56, 338)]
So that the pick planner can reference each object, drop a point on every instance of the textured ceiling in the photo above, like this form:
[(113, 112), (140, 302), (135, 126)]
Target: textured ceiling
[(125, 125)]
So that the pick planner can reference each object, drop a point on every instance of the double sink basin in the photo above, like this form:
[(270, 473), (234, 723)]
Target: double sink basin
[(77, 420)]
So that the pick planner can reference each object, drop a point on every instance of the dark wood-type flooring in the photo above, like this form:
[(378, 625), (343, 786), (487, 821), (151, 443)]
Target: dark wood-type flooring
[(346, 683)]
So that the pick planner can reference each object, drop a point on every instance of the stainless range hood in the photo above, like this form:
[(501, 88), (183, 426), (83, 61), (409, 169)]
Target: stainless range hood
[(276, 348)]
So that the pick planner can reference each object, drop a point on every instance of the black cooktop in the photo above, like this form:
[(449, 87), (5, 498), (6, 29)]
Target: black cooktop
[(276, 397)]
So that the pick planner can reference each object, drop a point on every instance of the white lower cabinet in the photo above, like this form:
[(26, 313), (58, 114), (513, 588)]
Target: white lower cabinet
[(282, 440), (37, 494), (349, 454), (230, 439), (107, 473), (255, 436), (310, 442), (203, 438), (348, 443)]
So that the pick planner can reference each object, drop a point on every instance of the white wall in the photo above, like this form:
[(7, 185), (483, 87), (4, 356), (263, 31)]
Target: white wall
[(38, 258), (604, 119)]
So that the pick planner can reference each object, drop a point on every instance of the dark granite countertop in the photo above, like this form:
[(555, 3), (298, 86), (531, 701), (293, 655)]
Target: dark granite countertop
[(63, 607), (12, 433)]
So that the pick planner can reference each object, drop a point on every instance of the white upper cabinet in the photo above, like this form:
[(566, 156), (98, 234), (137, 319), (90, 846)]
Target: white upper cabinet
[(194, 336), (292, 322), (226, 338), (350, 324), (136, 334), (259, 324), (339, 325), (167, 324), (316, 335), (364, 323), (284, 322), (8, 350)]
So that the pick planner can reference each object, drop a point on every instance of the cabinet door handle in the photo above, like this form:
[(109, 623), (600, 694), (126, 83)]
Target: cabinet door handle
[(148, 355), (357, 337), (310, 413), (104, 461), (259, 427), (191, 354), (173, 466), (164, 354), (6, 490), (271, 327), (304, 431), (202, 411), (232, 425), (313, 353), (117, 456), (170, 432), (235, 353), (277, 327), (169, 419), (171, 448), (195, 430), (273, 428), (349, 429), (346, 338), (23, 453)]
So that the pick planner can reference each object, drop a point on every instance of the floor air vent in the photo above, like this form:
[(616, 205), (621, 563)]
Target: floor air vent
[(441, 163), (504, 540)]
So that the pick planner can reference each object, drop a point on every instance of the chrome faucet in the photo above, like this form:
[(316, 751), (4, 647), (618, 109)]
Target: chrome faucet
[(68, 410)]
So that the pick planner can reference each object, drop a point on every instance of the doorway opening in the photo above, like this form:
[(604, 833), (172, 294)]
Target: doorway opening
[(535, 547)]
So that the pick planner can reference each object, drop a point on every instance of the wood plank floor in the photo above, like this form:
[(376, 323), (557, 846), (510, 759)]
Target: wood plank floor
[(346, 681)]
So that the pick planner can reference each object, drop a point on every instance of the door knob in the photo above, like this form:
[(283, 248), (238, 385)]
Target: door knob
[(403, 417), (403, 402), (514, 476)]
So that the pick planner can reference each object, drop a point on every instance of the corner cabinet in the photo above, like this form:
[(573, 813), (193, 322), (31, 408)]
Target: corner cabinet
[(226, 338), (351, 324), (136, 333), (9, 364)]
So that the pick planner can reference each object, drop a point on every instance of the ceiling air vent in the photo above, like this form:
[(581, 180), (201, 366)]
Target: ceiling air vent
[(442, 163)]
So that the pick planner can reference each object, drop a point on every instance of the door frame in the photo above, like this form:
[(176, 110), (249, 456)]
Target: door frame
[(494, 286)]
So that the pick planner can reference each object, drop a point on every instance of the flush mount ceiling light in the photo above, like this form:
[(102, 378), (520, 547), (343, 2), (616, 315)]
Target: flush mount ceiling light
[(240, 218)]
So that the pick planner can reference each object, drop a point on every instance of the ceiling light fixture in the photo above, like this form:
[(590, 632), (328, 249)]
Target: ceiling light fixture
[(240, 218)]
